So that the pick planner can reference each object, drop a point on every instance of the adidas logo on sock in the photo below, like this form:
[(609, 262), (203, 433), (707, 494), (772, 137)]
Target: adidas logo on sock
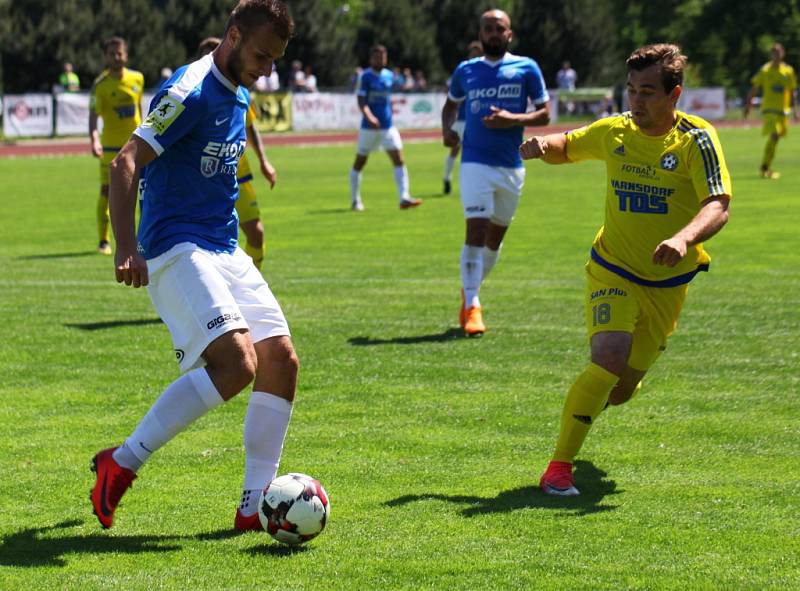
[(583, 419)]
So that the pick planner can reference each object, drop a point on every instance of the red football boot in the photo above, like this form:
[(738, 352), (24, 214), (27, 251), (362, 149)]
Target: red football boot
[(112, 482)]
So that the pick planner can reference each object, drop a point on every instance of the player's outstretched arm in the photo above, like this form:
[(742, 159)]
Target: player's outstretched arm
[(549, 148), (708, 221), (748, 102), (130, 267)]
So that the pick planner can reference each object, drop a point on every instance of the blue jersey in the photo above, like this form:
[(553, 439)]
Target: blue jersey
[(376, 89), (196, 126), (507, 84)]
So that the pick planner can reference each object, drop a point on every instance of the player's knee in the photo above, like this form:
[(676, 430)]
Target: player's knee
[(623, 392), (284, 358)]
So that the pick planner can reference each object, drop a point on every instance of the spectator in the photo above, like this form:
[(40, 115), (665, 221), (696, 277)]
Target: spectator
[(420, 83), (311, 80), (297, 78), (408, 80), (355, 76), (68, 80), (565, 80), (398, 80)]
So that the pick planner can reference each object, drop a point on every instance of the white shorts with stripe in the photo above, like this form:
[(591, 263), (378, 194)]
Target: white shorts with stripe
[(370, 140), (200, 295), (490, 191)]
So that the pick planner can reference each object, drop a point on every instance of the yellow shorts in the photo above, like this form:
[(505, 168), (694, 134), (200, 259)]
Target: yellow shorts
[(774, 123), (247, 203), (108, 155), (650, 313)]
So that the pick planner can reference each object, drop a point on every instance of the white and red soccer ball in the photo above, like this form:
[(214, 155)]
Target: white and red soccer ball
[(294, 508)]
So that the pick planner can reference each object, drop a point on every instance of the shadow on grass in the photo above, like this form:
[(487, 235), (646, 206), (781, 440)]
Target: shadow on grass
[(591, 481), (328, 211), (57, 255), (29, 547), (113, 324), (448, 335)]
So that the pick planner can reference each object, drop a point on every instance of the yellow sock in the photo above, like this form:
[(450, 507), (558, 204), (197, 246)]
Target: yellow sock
[(256, 253), (769, 153), (585, 400), (103, 219)]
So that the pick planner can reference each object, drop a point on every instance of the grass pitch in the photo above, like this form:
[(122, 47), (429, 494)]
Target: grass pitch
[(429, 444)]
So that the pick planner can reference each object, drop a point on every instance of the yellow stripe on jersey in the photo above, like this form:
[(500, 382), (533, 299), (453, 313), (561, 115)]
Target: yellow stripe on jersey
[(117, 101), (777, 85), (655, 186)]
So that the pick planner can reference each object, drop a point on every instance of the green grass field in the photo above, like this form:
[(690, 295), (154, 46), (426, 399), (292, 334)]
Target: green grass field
[(430, 445)]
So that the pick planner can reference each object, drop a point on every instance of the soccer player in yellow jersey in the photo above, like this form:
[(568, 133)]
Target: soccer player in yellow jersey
[(777, 83), (667, 191), (116, 98), (247, 203)]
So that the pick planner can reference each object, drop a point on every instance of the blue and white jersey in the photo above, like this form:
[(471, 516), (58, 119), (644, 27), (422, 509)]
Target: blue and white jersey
[(376, 89), (196, 125), (509, 84)]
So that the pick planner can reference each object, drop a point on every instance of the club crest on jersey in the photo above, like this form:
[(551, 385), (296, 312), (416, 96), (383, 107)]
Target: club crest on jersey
[(669, 161), (165, 112), (209, 166)]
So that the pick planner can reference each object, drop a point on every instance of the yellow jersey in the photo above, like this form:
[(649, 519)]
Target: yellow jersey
[(117, 101), (244, 173), (777, 86), (655, 187)]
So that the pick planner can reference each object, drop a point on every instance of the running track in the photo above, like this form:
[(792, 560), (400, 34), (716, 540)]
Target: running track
[(71, 146)]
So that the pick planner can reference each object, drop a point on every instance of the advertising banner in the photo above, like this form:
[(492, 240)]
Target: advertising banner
[(28, 115), (708, 103)]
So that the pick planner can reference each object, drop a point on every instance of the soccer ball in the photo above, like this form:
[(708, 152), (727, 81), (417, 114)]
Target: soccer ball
[(294, 508)]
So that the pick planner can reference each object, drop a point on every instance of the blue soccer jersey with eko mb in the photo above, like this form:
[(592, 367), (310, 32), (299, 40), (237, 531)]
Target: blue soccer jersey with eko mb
[(196, 126), (376, 89), (509, 83)]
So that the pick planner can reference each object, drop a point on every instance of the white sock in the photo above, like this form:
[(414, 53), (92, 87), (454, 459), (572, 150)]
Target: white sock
[(449, 162), (401, 180), (355, 185), (249, 503), (489, 260), (264, 431), (471, 272), (185, 400)]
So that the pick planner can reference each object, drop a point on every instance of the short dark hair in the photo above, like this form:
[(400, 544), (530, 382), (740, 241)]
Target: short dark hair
[(378, 48), (208, 45), (666, 55), (250, 15), (113, 41)]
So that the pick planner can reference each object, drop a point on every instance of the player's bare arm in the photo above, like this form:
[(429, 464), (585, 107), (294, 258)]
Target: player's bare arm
[(269, 172), (708, 221), (449, 115), (548, 148), (94, 135), (502, 119), (748, 102), (129, 266), (367, 112)]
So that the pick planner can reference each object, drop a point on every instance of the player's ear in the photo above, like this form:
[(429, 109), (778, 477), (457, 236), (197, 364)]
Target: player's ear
[(676, 93), (234, 35)]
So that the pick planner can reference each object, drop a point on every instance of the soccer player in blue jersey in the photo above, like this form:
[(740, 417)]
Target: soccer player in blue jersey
[(497, 89), (374, 91), (474, 49), (227, 328)]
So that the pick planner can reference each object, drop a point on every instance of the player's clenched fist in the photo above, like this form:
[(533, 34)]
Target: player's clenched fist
[(534, 147)]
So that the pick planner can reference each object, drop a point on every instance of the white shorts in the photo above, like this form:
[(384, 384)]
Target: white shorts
[(370, 140), (490, 191), (200, 295), (458, 127)]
